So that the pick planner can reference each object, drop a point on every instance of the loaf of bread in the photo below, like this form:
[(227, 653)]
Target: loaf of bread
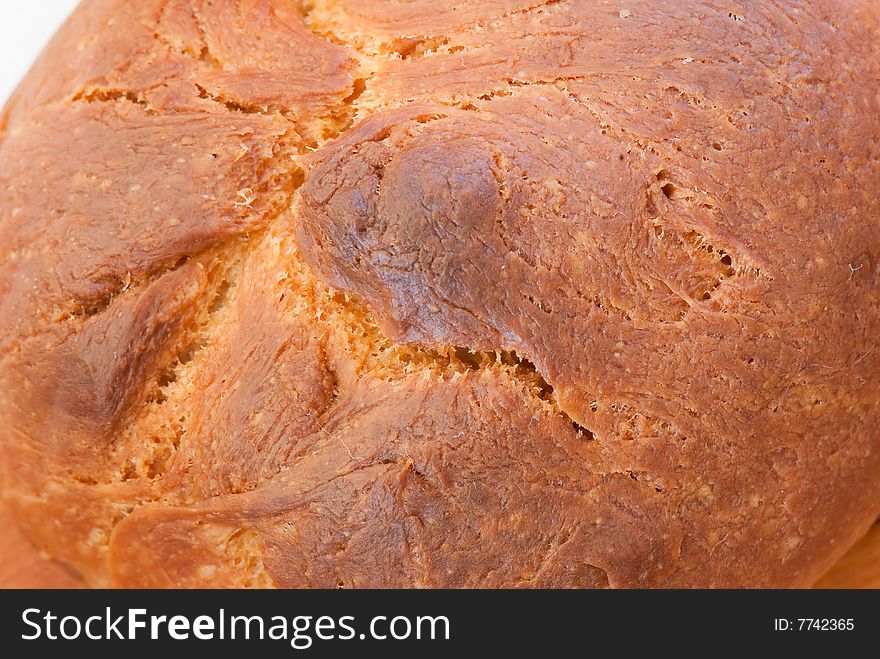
[(393, 293)]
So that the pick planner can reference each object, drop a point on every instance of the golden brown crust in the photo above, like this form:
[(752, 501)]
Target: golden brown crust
[(510, 293)]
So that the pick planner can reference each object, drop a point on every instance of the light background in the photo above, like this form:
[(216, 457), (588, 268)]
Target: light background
[(25, 27)]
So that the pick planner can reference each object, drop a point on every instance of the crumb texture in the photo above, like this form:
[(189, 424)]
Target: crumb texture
[(512, 293)]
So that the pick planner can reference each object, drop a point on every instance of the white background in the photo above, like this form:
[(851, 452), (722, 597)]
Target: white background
[(25, 27)]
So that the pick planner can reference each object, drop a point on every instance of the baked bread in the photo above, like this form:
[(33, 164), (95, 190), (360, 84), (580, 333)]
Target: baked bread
[(424, 293)]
